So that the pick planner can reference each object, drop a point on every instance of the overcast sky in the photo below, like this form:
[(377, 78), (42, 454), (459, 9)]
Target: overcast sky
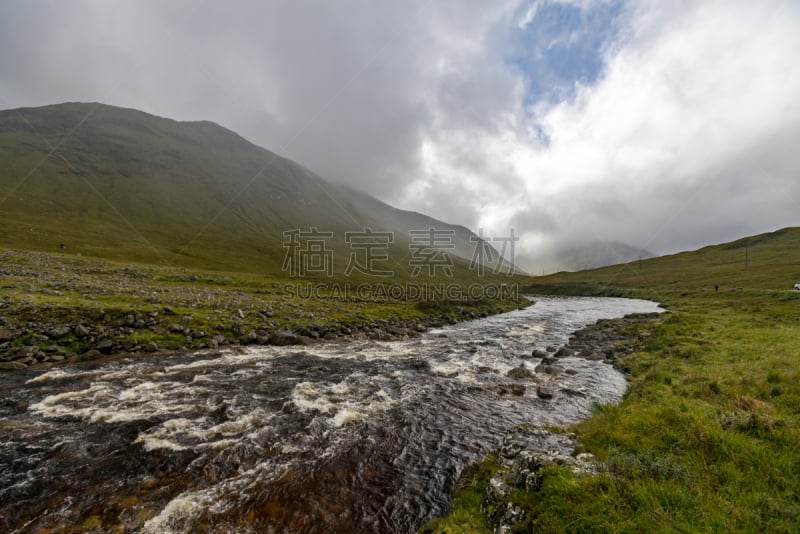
[(664, 124)]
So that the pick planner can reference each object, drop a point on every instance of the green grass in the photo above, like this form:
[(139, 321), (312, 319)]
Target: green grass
[(707, 437), (60, 289)]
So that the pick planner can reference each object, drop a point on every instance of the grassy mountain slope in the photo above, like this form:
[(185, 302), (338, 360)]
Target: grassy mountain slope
[(768, 261), (123, 184)]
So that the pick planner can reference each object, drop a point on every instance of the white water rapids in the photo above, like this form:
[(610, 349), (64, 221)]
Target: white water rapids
[(359, 436)]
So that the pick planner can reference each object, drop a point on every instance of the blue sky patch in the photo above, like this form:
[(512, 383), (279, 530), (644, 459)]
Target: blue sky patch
[(561, 45)]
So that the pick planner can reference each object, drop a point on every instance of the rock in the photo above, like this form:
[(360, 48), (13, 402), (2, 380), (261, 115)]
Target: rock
[(525, 471), (58, 332), (305, 340), (105, 346), (564, 352), (517, 389), (520, 373), (175, 328), (545, 392), (539, 354), (282, 338), (596, 356), (249, 338), (551, 348), (549, 369), (81, 331), (12, 366), (240, 313), (216, 341), (38, 339), (90, 355), (151, 347), (9, 335)]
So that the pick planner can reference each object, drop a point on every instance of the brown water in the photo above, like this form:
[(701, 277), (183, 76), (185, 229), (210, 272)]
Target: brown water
[(347, 437)]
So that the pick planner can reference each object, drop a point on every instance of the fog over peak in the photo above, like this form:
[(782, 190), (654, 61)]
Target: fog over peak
[(662, 125)]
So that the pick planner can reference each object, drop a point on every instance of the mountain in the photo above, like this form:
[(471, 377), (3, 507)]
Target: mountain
[(120, 183), (591, 256), (768, 261)]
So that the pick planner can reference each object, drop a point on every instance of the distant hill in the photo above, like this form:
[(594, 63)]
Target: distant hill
[(765, 261), (123, 184), (589, 256)]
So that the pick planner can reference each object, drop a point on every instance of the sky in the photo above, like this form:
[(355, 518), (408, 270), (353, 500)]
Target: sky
[(663, 125)]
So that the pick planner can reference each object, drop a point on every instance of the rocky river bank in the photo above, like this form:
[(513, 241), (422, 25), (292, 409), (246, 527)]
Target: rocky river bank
[(529, 450), (56, 308)]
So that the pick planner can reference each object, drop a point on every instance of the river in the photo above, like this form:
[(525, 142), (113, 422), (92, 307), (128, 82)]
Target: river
[(362, 436)]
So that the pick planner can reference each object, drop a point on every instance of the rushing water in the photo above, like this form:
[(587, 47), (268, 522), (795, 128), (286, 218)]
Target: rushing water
[(344, 437)]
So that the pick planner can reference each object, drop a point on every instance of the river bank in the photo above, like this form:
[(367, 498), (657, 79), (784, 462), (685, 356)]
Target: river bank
[(56, 308), (488, 493), (365, 436), (703, 440)]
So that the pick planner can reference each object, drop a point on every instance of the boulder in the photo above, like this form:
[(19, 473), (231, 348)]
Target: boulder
[(537, 353), (520, 373), (58, 332), (545, 392), (81, 331), (249, 338), (282, 338), (564, 352), (105, 346), (9, 335), (517, 389), (12, 366)]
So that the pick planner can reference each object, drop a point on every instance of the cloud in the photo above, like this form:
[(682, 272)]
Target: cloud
[(666, 125)]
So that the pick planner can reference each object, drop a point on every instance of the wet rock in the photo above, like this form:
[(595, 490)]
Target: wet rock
[(549, 369), (545, 392), (551, 348), (282, 338), (517, 389), (520, 373), (105, 346), (564, 352), (538, 353), (90, 355), (305, 340), (249, 338), (12, 366), (151, 347), (216, 341)]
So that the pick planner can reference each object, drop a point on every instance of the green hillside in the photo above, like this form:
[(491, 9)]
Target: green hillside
[(122, 184), (768, 261)]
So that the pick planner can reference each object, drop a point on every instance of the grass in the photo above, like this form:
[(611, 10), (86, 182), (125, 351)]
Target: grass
[(707, 437), (143, 303)]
